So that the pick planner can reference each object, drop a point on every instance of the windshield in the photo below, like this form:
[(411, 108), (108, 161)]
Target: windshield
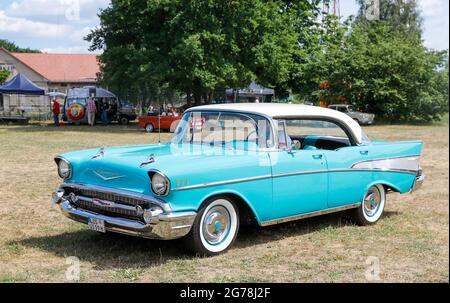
[(215, 128), (351, 108)]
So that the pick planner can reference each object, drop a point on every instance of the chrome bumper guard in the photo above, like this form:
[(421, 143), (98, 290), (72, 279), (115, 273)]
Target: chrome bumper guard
[(418, 181), (164, 226)]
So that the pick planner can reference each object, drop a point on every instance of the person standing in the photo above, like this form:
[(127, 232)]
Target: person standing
[(56, 110), (91, 110), (105, 110)]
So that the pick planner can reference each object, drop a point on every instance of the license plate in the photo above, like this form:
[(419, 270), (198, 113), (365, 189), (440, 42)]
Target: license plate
[(96, 224)]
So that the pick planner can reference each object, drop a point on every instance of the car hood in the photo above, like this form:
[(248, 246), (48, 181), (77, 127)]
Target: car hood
[(127, 167)]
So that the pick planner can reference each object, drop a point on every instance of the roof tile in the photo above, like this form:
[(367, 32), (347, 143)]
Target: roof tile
[(62, 67)]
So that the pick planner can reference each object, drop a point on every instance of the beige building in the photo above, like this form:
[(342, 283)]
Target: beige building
[(52, 72)]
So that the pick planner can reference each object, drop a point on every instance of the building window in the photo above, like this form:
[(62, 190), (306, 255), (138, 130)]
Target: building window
[(6, 66)]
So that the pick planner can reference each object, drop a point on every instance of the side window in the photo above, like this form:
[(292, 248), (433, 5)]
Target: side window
[(315, 134), (342, 109)]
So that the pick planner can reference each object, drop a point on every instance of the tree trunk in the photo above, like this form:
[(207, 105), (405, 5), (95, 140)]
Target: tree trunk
[(188, 98), (197, 98)]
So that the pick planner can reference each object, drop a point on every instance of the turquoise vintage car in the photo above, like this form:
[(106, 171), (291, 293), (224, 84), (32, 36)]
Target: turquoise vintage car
[(232, 164)]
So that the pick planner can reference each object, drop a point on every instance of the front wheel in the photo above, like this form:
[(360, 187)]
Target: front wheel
[(372, 206), (215, 228)]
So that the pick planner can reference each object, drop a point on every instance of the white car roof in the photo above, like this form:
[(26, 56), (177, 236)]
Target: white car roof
[(280, 110)]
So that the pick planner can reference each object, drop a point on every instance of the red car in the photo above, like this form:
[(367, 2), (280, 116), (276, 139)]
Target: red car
[(167, 122)]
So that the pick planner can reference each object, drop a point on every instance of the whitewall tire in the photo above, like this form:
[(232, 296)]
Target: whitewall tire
[(215, 228), (372, 206)]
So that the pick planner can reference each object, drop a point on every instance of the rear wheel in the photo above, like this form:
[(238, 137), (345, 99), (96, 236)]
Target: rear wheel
[(149, 128), (215, 228), (372, 206), (124, 120)]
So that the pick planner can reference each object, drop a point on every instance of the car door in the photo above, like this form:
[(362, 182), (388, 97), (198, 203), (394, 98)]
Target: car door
[(300, 181), (347, 185)]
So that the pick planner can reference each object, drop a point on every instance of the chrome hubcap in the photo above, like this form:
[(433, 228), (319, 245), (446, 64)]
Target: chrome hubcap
[(372, 201), (216, 224)]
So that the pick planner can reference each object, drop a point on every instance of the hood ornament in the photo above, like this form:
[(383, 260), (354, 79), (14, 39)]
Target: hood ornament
[(150, 160), (100, 153)]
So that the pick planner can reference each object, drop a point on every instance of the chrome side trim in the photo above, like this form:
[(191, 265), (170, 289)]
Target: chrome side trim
[(405, 163), (222, 182), (165, 206), (310, 214), (296, 173)]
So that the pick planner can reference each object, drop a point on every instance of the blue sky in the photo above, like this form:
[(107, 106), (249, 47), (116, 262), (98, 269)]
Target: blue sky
[(58, 26)]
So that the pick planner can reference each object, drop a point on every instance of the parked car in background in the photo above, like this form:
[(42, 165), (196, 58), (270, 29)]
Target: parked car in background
[(74, 109), (230, 164), (166, 121), (361, 118)]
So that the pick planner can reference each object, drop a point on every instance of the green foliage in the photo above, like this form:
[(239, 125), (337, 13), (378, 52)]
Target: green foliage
[(381, 66), (12, 47), (4, 74), (200, 46)]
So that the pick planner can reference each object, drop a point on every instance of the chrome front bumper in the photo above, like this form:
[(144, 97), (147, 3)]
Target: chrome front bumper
[(418, 181), (164, 226)]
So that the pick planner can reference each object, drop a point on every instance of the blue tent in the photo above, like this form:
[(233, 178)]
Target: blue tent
[(21, 85)]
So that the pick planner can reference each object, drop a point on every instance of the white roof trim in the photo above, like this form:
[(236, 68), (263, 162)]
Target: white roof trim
[(279, 110)]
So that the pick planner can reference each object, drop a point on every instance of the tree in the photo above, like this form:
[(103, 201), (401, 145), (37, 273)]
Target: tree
[(4, 74), (378, 65), (391, 71), (202, 45), (12, 47)]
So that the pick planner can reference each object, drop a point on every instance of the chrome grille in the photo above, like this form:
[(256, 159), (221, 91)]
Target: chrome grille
[(111, 197), (127, 207), (109, 210)]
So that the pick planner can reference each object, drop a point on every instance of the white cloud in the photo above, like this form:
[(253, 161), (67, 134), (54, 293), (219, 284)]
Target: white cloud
[(80, 49), (432, 8), (62, 11), (33, 29)]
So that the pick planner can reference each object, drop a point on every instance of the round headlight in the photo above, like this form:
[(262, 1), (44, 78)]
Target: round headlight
[(64, 169), (160, 184)]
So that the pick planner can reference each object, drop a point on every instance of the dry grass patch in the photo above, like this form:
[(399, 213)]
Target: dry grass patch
[(411, 241)]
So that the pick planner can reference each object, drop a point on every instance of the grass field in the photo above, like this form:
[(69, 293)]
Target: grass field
[(411, 242)]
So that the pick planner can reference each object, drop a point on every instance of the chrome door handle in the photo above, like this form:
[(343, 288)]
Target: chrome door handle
[(364, 152), (317, 157)]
